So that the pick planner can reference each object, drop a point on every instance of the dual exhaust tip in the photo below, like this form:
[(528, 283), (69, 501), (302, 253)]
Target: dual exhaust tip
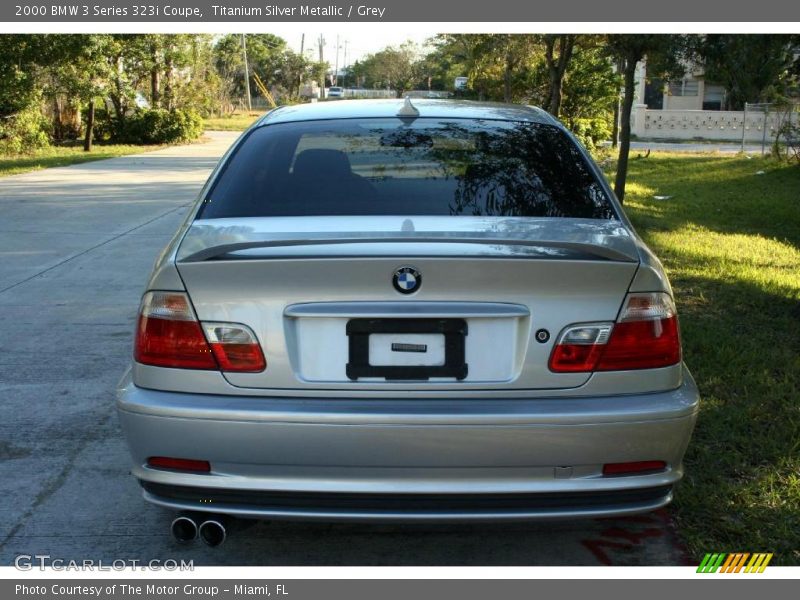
[(211, 530)]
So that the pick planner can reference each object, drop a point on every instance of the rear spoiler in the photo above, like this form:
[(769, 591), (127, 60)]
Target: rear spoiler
[(554, 249)]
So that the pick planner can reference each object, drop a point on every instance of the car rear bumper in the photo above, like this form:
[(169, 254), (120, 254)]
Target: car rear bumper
[(408, 459), (409, 507)]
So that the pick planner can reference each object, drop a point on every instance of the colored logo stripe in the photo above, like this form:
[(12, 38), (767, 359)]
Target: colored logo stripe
[(710, 563), (758, 563), (734, 562)]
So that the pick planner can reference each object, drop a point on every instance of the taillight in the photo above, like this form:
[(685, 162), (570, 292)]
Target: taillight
[(235, 347), (579, 347), (645, 336), (169, 335), (179, 464), (633, 468)]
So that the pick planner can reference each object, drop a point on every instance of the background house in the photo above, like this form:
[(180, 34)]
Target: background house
[(691, 109), (692, 92)]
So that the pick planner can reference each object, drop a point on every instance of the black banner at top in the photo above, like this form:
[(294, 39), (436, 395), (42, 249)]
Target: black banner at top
[(239, 11)]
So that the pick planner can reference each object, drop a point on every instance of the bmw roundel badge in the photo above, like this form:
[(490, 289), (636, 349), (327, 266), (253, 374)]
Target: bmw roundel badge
[(406, 280)]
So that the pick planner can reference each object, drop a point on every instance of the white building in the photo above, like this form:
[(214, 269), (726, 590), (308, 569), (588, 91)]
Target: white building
[(692, 92), (692, 109)]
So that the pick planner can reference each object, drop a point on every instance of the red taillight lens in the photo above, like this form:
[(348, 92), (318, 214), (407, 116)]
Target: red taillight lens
[(571, 358), (579, 347), (642, 345), (179, 464), (645, 336), (168, 335), (631, 468), (235, 347)]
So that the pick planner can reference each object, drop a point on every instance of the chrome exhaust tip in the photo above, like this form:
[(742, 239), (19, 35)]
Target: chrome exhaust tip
[(184, 529), (213, 532)]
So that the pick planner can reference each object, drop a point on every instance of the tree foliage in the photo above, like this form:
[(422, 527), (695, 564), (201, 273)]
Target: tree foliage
[(497, 66), (50, 85), (570, 75), (391, 68), (753, 68), (281, 69)]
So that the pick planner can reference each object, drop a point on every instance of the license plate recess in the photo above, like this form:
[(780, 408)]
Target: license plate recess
[(453, 330)]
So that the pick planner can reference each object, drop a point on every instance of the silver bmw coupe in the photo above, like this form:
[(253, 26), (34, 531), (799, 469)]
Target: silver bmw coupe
[(406, 310)]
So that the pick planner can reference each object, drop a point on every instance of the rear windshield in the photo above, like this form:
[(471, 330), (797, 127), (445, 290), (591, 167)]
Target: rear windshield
[(407, 167)]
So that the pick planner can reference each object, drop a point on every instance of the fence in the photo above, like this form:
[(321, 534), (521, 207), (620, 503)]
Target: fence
[(758, 123), (364, 93)]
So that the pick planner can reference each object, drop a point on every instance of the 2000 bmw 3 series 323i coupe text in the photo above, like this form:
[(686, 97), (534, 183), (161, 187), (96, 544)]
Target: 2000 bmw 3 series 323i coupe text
[(397, 311)]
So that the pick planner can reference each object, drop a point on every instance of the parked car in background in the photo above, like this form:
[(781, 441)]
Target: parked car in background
[(335, 92), (423, 310)]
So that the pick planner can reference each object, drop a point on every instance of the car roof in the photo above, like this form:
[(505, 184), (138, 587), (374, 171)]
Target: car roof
[(427, 107)]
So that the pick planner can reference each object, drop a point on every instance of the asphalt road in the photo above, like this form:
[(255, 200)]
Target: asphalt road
[(76, 245)]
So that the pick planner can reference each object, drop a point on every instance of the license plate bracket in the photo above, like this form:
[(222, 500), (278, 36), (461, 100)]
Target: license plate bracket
[(454, 331)]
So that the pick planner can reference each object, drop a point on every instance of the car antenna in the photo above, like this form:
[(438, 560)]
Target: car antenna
[(409, 111)]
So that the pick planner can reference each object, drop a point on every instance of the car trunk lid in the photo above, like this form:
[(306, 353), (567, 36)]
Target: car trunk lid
[(318, 294)]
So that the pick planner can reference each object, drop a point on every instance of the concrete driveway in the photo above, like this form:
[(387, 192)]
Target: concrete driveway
[(76, 245)]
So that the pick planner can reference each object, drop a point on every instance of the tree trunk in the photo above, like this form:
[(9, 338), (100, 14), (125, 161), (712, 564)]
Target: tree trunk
[(549, 44), (116, 95), (56, 119), (155, 77), (557, 67), (615, 126), (507, 78), (87, 140), (554, 104), (119, 111), (625, 126), (155, 84), (168, 99)]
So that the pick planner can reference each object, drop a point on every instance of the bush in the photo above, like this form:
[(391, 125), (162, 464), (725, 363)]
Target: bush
[(591, 132), (791, 137), (148, 126), (160, 126), (24, 131), (105, 125)]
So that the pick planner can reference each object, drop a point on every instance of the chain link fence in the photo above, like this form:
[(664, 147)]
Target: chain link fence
[(785, 126)]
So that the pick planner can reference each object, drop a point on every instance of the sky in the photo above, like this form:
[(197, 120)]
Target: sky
[(359, 44)]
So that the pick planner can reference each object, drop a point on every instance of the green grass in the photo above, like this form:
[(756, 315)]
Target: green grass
[(238, 121), (61, 156), (730, 241)]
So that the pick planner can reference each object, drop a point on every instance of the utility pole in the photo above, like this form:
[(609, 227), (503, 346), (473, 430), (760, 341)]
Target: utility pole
[(321, 45), (344, 79), (336, 68), (302, 44), (246, 74)]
